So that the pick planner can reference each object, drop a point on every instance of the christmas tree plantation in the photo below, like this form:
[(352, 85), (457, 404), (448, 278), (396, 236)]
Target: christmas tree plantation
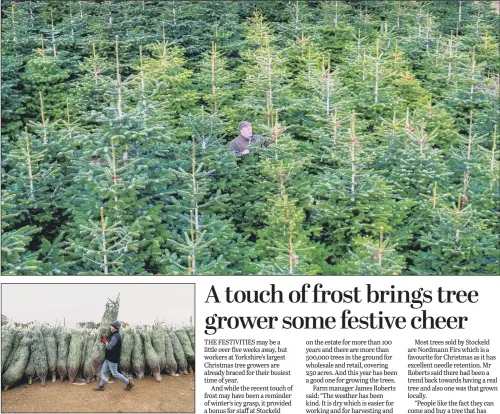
[(380, 123)]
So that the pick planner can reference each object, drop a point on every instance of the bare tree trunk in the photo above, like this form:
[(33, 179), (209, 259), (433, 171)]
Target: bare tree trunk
[(469, 145), (353, 158), (13, 22), (434, 195), (493, 148), (53, 37), (113, 166), (328, 89), (118, 83), (28, 162), (105, 257), (42, 112)]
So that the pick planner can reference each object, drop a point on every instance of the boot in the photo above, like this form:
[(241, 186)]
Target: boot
[(98, 388), (129, 386)]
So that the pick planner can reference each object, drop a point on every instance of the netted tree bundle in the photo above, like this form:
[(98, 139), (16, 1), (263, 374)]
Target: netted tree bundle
[(16, 369), (63, 337), (29, 371), (190, 334), (151, 357), (158, 341), (127, 335), (170, 362), (180, 358), (17, 340), (87, 365), (85, 334), (186, 346), (110, 315), (39, 356), (41, 350), (138, 361), (97, 356), (74, 354), (9, 334), (51, 351)]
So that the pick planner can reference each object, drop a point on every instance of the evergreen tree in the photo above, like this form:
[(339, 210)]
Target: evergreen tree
[(415, 169), (459, 243), (265, 76), (475, 173), (352, 198), (216, 87), (201, 243), (29, 174), (13, 101), (117, 168), (88, 91), (164, 78), (17, 258), (45, 73), (374, 257), (282, 167), (103, 246)]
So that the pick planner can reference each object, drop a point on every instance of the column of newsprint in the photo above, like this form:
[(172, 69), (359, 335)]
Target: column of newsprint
[(294, 362)]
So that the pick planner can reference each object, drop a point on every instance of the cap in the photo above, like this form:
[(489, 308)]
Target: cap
[(116, 324)]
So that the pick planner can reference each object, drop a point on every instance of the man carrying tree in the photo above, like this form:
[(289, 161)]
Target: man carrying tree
[(240, 144), (112, 357)]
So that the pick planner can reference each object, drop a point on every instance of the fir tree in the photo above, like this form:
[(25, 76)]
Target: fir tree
[(216, 86), (266, 79), (164, 76), (416, 169), (458, 243), (17, 259), (29, 174), (118, 168), (202, 242), (45, 73), (351, 195), (103, 246), (282, 167), (374, 257)]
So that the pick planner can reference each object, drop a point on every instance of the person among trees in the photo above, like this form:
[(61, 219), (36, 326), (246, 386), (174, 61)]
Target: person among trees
[(112, 357), (96, 160), (240, 145)]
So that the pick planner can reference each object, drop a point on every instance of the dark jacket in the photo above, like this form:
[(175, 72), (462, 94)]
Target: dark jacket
[(113, 347), (240, 143)]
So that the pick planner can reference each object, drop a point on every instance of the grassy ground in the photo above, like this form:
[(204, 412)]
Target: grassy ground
[(173, 394)]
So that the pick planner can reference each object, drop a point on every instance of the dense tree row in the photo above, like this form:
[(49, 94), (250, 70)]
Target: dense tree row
[(383, 115)]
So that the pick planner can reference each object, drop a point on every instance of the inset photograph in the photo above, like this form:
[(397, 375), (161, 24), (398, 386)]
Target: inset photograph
[(98, 348)]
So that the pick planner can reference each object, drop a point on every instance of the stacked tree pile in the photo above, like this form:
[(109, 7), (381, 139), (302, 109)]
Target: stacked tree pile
[(32, 353)]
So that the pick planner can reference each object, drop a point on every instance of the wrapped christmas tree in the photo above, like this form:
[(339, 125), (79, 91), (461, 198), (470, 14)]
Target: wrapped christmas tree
[(18, 366)]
